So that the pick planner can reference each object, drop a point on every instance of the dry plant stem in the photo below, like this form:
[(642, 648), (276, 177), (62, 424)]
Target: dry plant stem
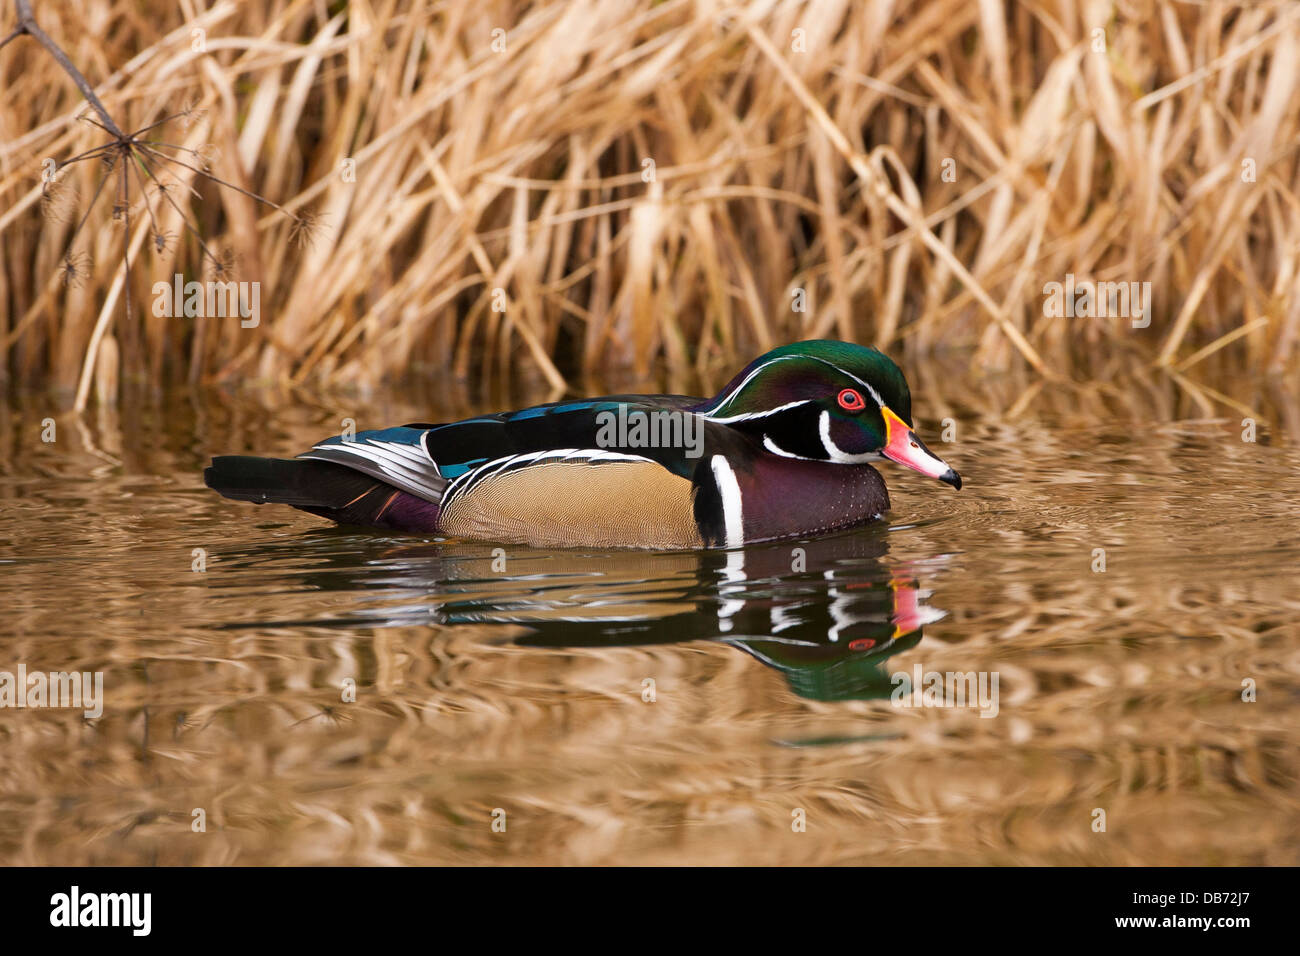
[(1219, 343), (105, 320), (127, 154), (27, 24), (897, 206)]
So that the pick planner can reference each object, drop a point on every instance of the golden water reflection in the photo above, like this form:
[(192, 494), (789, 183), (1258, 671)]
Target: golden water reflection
[(524, 689)]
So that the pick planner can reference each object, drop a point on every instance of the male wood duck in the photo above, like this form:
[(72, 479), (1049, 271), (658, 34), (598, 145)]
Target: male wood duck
[(784, 450)]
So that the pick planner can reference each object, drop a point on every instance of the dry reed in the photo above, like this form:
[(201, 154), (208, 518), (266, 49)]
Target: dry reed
[(653, 187)]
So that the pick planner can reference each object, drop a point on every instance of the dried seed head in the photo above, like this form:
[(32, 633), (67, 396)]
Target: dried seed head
[(221, 265), (191, 113), (164, 186), (74, 269), (207, 156), (304, 228), (59, 200)]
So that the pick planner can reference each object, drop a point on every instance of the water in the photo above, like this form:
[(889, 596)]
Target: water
[(656, 708)]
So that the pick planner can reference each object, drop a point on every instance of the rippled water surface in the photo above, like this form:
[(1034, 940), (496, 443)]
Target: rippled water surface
[(649, 707)]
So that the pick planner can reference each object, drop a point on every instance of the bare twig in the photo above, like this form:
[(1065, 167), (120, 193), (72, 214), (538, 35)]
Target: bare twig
[(27, 24), (125, 150)]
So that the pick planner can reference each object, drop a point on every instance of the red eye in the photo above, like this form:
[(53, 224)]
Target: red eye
[(851, 400)]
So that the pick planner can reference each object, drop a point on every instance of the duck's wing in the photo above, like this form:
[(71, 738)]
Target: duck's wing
[(441, 461), (396, 456)]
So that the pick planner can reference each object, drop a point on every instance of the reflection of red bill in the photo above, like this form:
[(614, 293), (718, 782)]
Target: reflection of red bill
[(907, 615), (902, 446)]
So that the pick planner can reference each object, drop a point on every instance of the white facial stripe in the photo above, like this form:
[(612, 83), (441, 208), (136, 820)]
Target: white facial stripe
[(781, 358), (772, 447), (874, 394), (735, 391), (733, 519), (833, 451)]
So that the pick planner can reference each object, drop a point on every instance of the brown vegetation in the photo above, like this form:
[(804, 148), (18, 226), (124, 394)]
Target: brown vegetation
[(647, 184)]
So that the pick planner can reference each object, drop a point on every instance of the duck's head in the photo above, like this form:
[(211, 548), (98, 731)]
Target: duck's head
[(829, 401)]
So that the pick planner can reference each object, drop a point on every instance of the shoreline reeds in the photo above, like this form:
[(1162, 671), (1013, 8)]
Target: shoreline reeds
[(560, 190)]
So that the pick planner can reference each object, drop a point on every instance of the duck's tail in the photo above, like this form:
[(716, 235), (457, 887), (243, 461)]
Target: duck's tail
[(321, 488)]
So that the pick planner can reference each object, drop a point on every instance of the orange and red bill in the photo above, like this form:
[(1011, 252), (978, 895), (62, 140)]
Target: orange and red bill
[(902, 446)]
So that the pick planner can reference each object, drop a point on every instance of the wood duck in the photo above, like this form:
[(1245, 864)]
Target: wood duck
[(784, 450)]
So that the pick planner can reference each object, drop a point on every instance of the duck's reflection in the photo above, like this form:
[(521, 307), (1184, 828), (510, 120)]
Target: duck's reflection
[(827, 613)]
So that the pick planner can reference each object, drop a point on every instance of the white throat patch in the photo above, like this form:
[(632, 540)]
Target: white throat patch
[(834, 452)]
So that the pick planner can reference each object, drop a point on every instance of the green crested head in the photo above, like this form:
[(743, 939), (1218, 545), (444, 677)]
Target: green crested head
[(824, 400), (803, 370)]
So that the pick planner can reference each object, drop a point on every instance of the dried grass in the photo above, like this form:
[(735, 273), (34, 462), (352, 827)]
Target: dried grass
[(525, 170)]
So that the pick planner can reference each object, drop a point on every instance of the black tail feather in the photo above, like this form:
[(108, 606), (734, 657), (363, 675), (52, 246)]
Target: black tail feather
[(319, 487)]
